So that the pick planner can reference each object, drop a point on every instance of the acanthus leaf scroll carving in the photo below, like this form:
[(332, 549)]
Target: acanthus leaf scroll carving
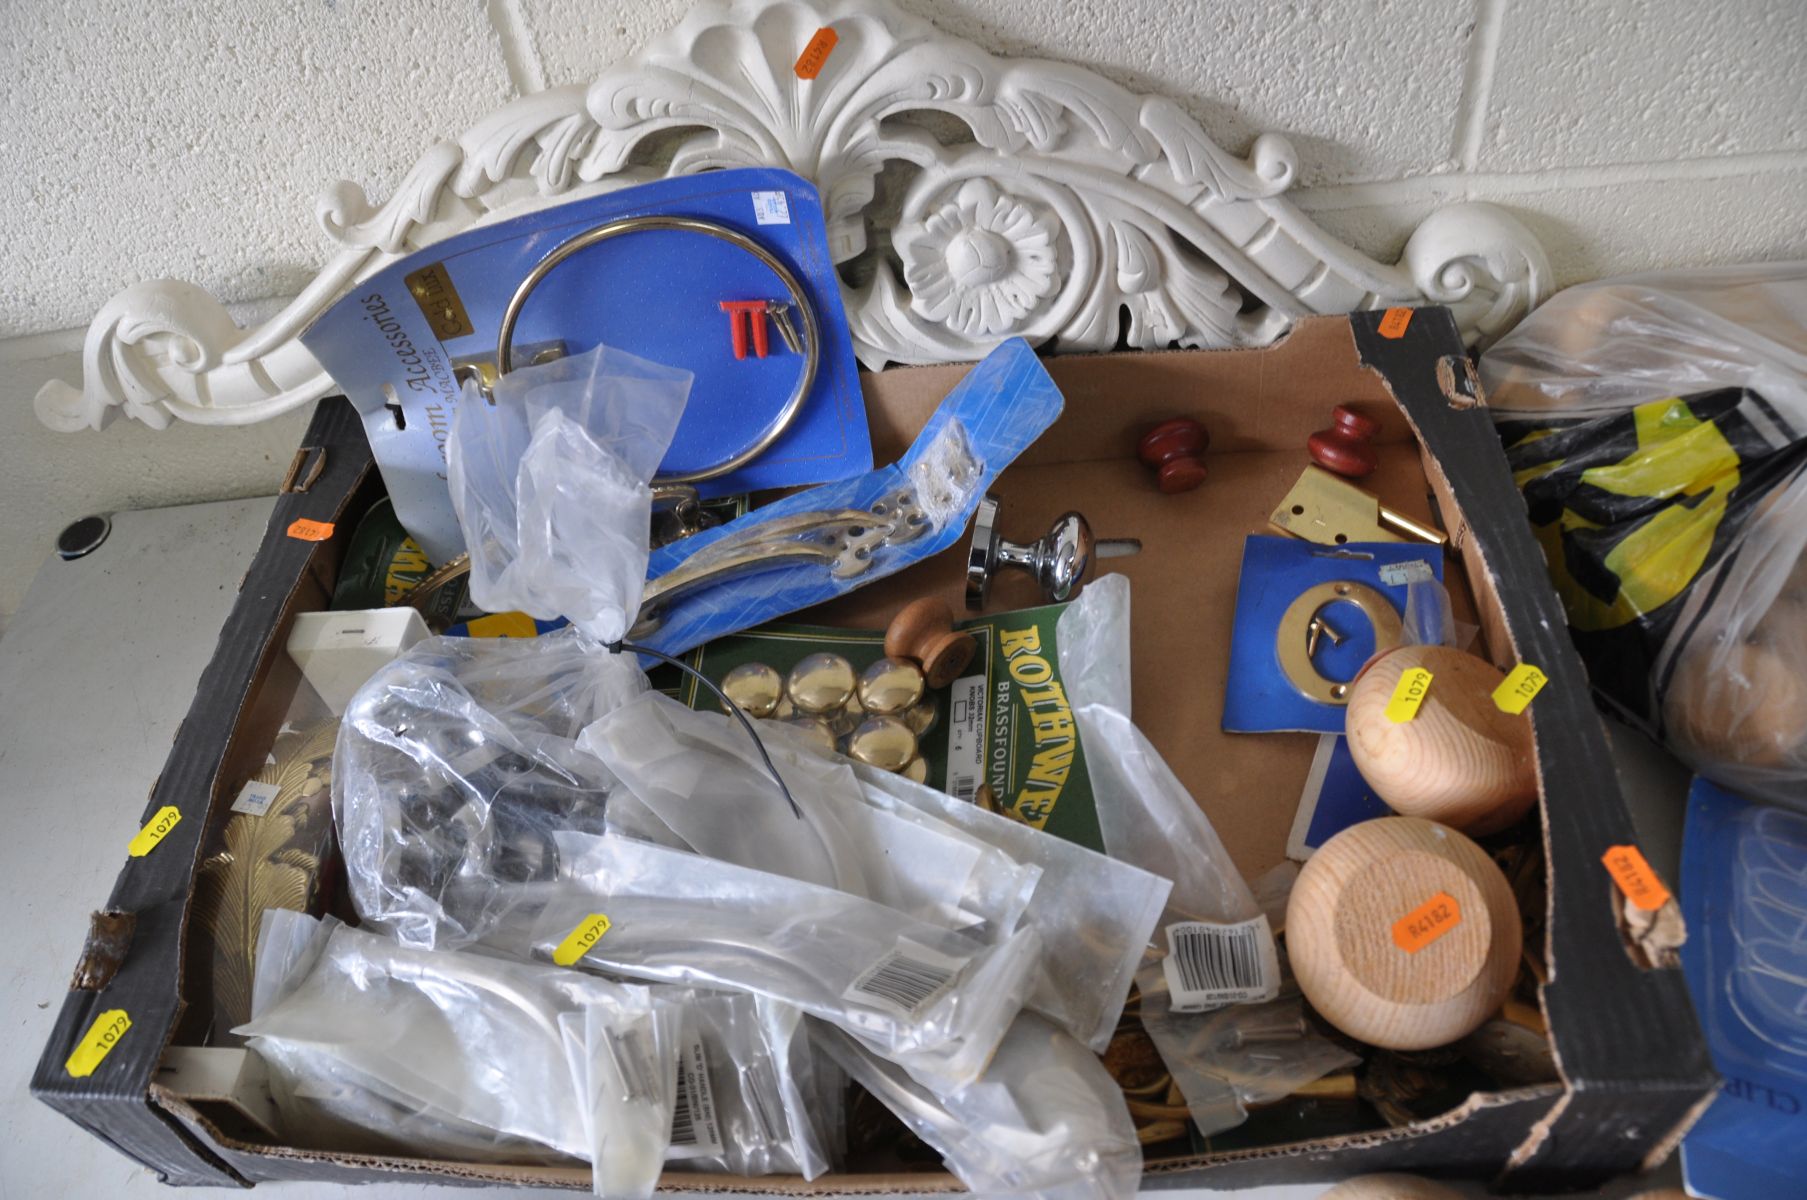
[(1063, 208)]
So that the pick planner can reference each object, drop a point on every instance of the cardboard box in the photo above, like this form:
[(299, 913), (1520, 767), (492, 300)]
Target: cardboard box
[(1634, 1068)]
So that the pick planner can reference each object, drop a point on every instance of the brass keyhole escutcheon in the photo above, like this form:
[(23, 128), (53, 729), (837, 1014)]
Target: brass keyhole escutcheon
[(1296, 639)]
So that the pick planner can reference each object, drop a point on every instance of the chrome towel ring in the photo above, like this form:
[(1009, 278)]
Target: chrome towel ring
[(809, 344)]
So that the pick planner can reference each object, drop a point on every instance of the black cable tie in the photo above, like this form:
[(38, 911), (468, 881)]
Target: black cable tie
[(732, 708)]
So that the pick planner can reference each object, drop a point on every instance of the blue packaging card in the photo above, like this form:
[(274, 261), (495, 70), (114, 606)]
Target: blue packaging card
[(1335, 797), (656, 294), (1744, 898), (1000, 406), (1275, 572)]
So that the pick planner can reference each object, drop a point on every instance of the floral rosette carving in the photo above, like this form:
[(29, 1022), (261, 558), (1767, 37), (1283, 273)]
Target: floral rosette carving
[(981, 263)]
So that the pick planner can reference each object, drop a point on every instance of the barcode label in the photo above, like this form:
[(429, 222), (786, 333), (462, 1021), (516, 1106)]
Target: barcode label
[(1401, 573), (966, 737), (695, 1132), (1208, 966), (906, 979), (255, 798), (771, 208)]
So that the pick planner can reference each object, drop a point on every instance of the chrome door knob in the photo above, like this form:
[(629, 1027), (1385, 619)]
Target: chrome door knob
[(1058, 560)]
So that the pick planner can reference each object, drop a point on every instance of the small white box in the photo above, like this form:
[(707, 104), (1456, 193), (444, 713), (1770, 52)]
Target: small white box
[(339, 651)]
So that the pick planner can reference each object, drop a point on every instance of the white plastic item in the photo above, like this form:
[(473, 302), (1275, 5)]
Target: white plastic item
[(1095, 915), (551, 485), (701, 778), (454, 767), (933, 1000), (431, 1052), (746, 1087), (1044, 1120), (338, 651)]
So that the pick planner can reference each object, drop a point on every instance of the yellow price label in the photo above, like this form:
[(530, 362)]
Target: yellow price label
[(589, 931), (98, 1042), (1413, 686), (165, 820), (504, 625), (1519, 688)]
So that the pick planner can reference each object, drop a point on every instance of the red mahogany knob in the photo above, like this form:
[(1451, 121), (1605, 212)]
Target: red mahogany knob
[(1172, 448), (1347, 446)]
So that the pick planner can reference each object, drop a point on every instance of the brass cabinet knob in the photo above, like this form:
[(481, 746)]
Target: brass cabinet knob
[(922, 717), (821, 684), (883, 742), (755, 687), (890, 686)]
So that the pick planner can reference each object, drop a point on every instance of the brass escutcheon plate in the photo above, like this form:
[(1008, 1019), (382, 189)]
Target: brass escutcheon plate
[(1292, 639)]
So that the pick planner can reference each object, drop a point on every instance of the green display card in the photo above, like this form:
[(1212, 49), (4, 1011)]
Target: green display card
[(1004, 735)]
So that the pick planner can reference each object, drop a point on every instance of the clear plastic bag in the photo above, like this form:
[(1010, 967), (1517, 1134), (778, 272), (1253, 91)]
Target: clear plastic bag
[(934, 1000), (455, 765), (1145, 814), (1094, 914), (1610, 345), (550, 485), (1044, 1120), (1219, 946), (1657, 425), (1734, 676), (701, 778), (1234, 1059), (746, 1087), (424, 1051), (626, 1079)]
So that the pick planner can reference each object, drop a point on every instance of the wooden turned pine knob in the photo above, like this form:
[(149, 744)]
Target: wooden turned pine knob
[(1745, 703), (1347, 447), (924, 630), (1403, 933), (1172, 448), (1461, 760)]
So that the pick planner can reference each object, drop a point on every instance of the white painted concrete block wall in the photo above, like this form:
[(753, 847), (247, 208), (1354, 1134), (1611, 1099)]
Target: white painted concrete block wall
[(190, 140)]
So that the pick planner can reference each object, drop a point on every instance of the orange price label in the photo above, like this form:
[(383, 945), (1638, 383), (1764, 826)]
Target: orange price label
[(1394, 321), (809, 63), (1630, 870), (1426, 923), (305, 530)]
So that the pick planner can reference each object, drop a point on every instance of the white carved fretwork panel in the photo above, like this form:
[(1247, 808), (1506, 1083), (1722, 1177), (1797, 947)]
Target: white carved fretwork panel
[(970, 198)]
